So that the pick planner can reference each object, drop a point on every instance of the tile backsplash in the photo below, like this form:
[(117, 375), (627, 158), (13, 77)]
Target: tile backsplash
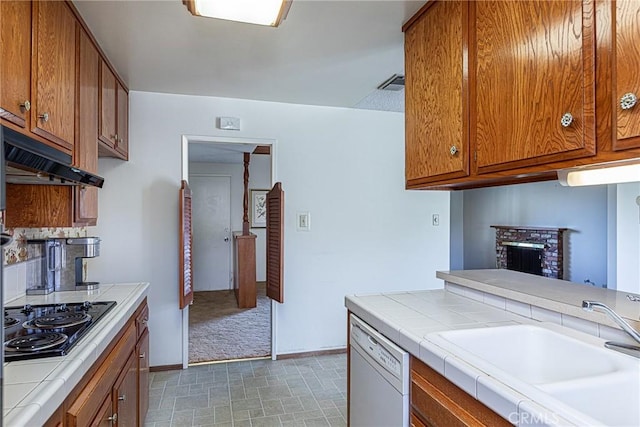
[(14, 255)]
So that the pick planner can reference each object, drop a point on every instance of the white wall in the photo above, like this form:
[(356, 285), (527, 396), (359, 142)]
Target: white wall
[(628, 238), (344, 166), (547, 204)]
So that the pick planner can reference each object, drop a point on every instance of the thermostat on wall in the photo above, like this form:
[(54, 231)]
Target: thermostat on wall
[(229, 123)]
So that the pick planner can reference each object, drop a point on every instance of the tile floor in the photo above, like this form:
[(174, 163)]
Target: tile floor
[(302, 392)]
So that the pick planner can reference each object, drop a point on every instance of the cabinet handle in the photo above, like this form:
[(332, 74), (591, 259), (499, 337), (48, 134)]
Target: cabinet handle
[(122, 398), (453, 150), (113, 418), (44, 117), (628, 101), (566, 120), (26, 105), (142, 355)]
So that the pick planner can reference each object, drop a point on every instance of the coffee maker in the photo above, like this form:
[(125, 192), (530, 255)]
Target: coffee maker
[(75, 250), (44, 263), (57, 264)]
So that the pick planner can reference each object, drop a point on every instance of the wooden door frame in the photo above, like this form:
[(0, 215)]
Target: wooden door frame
[(211, 139)]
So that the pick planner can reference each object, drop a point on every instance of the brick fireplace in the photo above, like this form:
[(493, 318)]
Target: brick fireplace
[(536, 250)]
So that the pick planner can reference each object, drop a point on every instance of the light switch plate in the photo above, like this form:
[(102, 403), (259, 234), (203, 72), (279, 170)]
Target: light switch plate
[(303, 221), (229, 123)]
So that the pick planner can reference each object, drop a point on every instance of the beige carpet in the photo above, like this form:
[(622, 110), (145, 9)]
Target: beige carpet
[(219, 330)]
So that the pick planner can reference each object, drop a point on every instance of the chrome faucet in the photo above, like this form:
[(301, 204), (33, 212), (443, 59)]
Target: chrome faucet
[(632, 350)]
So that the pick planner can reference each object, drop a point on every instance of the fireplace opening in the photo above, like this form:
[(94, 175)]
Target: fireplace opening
[(534, 250), (524, 259)]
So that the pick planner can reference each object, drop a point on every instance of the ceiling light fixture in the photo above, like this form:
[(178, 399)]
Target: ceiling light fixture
[(612, 173), (261, 12)]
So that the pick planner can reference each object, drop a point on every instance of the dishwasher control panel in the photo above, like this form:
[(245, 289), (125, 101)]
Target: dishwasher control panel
[(373, 348)]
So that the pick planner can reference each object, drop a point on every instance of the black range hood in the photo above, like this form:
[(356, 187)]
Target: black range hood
[(32, 162)]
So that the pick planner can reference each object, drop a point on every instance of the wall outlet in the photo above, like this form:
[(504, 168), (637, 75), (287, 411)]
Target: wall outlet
[(303, 221), (435, 220)]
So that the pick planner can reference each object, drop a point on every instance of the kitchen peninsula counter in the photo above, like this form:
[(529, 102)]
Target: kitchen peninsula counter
[(33, 389), (490, 298)]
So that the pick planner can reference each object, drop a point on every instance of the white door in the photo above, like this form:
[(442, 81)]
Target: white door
[(211, 216)]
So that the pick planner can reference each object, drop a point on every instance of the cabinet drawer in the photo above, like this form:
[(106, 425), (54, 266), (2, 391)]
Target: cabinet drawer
[(439, 402), (85, 407), (142, 318)]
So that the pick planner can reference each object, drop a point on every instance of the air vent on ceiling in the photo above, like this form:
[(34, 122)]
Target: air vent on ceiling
[(394, 83)]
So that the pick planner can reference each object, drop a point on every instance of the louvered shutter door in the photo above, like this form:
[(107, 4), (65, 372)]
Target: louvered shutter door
[(186, 288), (275, 238)]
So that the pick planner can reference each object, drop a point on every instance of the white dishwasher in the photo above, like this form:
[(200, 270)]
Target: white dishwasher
[(379, 379)]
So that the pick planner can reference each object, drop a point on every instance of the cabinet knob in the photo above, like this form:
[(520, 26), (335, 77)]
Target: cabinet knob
[(44, 117), (122, 398), (113, 418), (142, 355), (628, 101), (566, 120), (453, 150), (26, 105)]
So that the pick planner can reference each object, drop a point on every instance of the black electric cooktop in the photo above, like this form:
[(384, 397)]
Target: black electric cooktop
[(35, 331)]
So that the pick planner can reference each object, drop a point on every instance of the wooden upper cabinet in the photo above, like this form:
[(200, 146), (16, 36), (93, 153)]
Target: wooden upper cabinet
[(107, 117), (114, 115), (122, 146), (534, 82), (15, 61), (436, 93), (54, 73), (626, 75), (86, 148)]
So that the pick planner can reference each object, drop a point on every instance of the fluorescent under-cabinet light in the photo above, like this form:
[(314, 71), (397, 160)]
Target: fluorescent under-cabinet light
[(613, 173)]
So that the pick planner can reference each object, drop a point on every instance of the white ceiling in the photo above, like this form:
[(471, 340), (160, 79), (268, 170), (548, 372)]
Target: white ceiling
[(331, 53)]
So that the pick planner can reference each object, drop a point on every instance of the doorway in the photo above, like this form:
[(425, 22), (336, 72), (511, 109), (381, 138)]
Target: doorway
[(215, 328)]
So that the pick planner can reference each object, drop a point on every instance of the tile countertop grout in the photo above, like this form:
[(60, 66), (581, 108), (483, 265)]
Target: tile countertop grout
[(33, 402), (402, 316)]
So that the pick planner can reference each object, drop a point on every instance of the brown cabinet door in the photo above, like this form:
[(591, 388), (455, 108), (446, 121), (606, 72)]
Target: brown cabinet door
[(15, 61), (122, 146), (86, 149), (108, 90), (36, 206), (105, 417), (125, 391), (54, 73), (534, 66), (626, 85), (142, 350), (437, 144)]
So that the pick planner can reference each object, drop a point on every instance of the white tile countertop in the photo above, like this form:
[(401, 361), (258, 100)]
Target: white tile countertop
[(34, 389), (411, 319)]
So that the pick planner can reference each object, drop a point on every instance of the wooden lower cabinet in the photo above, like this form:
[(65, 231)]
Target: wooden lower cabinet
[(142, 351), (105, 414), (115, 391), (125, 393), (436, 401)]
